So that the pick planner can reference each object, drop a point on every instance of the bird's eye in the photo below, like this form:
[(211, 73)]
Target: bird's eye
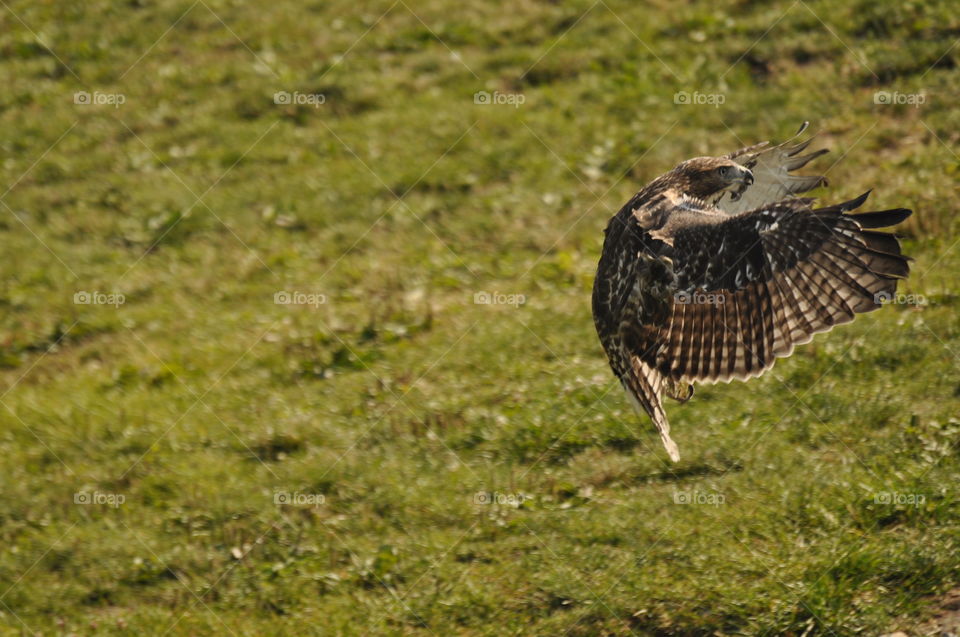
[(723, 171)]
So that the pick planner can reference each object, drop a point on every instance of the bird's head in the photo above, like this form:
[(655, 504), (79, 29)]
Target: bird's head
[(705, 177)]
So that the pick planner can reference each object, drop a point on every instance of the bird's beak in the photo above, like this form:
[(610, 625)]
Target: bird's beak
[(744, 177), (741, 181)]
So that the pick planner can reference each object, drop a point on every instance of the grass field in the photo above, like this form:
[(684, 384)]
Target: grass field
[(295, 331)]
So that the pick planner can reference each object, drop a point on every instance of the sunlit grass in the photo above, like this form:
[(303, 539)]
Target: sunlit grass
[(389, 454)]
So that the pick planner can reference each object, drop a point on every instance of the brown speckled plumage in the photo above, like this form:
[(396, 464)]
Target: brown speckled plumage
[(716, 269)]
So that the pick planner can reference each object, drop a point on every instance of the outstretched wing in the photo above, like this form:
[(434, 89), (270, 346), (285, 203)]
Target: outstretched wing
[(755, 285), (772, 168)]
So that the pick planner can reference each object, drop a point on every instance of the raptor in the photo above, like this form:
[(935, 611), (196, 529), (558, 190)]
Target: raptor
[(717, 268)]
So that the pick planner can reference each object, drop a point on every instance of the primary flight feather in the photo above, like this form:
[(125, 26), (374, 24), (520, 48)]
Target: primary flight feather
[(717, 268)]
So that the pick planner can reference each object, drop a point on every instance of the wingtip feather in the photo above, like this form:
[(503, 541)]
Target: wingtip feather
[(672, 450)]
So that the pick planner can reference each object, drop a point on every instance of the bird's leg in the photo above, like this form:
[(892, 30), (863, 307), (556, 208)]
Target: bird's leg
[(679, 391)]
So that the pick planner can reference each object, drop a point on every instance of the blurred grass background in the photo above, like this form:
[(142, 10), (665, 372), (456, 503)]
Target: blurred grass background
[(400, 459)]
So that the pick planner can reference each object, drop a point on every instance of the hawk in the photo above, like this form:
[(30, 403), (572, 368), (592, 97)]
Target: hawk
[(717, 268)]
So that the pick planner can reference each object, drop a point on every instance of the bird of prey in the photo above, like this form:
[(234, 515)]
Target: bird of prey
[(717, 268)]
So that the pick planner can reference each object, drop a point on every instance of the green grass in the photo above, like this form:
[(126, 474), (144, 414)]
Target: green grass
[(465, 468)]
